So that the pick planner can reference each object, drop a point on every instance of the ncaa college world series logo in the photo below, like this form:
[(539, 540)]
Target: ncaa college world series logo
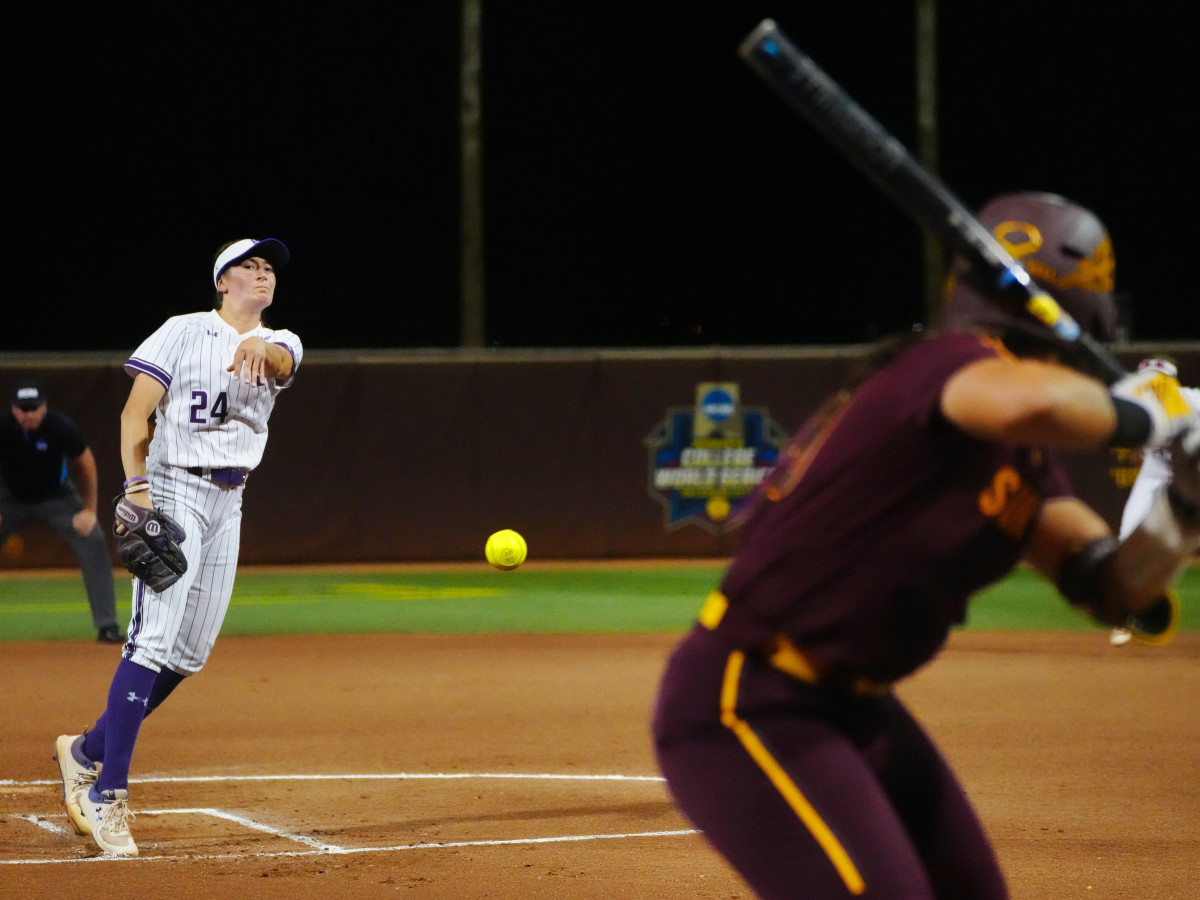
[(706, 460)]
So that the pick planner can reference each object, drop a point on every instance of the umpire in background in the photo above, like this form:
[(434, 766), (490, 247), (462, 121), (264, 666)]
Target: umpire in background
[(48, 473)]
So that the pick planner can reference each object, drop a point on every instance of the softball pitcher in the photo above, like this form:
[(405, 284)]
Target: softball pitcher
[(210, 379)]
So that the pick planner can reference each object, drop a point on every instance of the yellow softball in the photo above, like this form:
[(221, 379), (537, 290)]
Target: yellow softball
[(505, 549)]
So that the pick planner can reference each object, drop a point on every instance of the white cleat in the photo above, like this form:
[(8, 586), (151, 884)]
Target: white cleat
[(77, 777), (1120, 637), (108, 817)]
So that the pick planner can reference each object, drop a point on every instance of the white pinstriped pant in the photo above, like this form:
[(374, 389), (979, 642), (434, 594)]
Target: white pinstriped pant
[(176, 629)]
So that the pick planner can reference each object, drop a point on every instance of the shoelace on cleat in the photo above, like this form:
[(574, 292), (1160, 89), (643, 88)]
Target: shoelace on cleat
[(117, 818)]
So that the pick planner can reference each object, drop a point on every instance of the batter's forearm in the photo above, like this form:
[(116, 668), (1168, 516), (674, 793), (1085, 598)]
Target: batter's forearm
[(1030, 403), (1152, 556)]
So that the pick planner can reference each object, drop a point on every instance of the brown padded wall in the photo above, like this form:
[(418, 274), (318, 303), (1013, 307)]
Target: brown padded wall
[(419, 456)]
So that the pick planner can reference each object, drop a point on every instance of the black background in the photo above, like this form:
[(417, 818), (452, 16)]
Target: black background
[(642, 187)]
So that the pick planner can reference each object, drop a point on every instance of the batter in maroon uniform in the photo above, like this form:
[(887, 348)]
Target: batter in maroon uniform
[(776, 726)]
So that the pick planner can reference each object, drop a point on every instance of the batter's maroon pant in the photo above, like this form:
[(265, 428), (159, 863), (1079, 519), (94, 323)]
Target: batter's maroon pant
[(810, 793)]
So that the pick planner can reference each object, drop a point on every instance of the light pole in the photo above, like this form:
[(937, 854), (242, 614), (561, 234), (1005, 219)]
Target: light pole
[(927, 149), (471, 268)]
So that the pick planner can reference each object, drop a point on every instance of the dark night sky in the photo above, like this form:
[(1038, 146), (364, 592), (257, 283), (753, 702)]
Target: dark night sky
[(643, 188)]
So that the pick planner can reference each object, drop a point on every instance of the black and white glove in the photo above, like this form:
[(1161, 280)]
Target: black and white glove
[(1156, 394), (148, 543)]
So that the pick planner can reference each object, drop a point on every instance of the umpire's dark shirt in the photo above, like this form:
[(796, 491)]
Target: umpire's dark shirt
[(33, 464)]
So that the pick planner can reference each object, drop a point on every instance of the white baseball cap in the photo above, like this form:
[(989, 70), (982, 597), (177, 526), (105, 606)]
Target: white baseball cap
[(1159, 365), (270, 249)]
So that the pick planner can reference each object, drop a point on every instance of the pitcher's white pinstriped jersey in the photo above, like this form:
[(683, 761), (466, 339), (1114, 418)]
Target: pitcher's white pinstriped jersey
[(208, 416)]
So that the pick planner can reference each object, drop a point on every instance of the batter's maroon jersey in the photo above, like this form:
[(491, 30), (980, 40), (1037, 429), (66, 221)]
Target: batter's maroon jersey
[(882, 518)]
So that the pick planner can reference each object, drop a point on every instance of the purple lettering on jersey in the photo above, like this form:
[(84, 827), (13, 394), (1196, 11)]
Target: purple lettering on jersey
[(199, 402)]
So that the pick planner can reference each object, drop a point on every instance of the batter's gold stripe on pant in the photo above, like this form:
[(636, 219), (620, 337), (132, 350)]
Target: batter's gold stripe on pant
[(780, 778)]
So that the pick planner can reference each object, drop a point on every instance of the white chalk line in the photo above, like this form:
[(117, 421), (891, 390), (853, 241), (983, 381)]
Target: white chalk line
[(196, 779), (317, 847), (249, 823), (44, 823), (320, 848)]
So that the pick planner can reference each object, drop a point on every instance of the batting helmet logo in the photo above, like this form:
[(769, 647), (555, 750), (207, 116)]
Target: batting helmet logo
[(1063, 246), (1092, 273)]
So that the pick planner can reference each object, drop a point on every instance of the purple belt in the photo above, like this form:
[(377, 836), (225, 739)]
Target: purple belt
[(222, 476)]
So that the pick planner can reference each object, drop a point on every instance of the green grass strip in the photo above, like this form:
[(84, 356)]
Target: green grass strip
[(601, 599)]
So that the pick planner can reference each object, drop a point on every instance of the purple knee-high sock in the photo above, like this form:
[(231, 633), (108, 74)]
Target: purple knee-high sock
[(128, 698), (93, 740)]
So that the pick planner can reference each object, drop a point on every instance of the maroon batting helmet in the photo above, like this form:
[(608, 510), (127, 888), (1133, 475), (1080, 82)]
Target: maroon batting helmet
[(1066, 249)]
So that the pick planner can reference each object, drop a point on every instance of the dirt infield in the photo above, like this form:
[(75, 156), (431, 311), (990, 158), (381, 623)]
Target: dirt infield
[(520, 767)]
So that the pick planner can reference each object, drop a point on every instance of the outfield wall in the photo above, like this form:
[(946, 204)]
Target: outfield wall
[(414, 456)]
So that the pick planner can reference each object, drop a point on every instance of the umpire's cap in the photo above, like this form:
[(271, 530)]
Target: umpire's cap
[(28, 395), (270, 249)]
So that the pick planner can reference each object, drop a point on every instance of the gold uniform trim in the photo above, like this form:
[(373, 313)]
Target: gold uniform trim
[(713, 610), (1167, 634), (783, 783), (782, 654)]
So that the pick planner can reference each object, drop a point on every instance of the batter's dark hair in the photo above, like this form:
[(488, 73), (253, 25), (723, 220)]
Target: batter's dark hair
[(883, 352)]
